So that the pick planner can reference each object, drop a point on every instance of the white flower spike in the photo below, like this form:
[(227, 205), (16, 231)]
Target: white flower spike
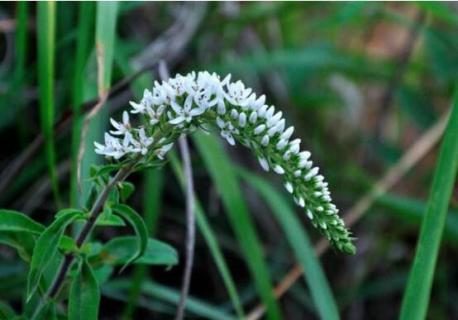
[(185, 103)]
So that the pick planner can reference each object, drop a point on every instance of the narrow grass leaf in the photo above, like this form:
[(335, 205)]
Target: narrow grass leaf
[(6, 311), (139, 226), (211, 240), (105, 37), (84, 296), (300, 243), (84, 45), (221, 170), (46, 19), (416, 296), (46, 248)]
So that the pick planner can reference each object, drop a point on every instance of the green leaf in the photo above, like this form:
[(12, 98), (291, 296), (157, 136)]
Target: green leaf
[(125, 190), (18, 222), (48, 312), (139, 226), (300, 243), (46, 248), (416, 296), (105, 37), (22, 242), (110, 220), (220, 168), (6, 312), (84, 296), (211, 240), (84, 45), (19, 231), (46, 19), (119, 251)]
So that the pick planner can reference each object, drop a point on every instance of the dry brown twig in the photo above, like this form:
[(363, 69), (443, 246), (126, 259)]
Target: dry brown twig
[(410, 158)]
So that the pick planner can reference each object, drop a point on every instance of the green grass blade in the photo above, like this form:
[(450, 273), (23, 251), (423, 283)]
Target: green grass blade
[(416, 297), (21, 42), (300, 243), (46, 19), (106, 17), (84, 45), (225, 179), (105, 38), (211, 240)]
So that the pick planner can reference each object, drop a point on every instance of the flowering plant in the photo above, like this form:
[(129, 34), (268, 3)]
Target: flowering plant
[(203, 100)]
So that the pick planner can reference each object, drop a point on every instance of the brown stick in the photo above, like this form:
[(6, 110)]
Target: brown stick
[(410, 158)]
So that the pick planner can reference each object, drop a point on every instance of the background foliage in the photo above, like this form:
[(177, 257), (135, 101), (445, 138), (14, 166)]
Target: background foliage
[(361, 82)]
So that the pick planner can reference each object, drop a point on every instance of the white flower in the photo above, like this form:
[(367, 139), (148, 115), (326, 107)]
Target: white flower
[(287, 134), (258, 103), (281, 144), (259, 129), (265, 140), (112, 147), (227, 129), (145, 141), (311, 174), (185, 113), (159, 94), (121, 128), (154, 115), (242, 119), (274, 119), (253, 117), (237, 94), (309, 214), (163, 150), (278, 169), (289, 187), (262, 111), (264, 164)]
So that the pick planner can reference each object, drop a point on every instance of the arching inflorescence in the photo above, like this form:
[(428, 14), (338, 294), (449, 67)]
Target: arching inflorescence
[(203, 100)]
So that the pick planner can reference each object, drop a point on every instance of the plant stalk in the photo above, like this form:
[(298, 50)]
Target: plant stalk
[(82, 236)]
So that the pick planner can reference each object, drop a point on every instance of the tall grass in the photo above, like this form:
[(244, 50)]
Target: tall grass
[(417, 294), (46, 20)]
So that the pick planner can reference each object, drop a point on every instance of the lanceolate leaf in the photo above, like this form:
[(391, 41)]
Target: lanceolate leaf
[(18, 222), (139, 226), (46, 248), (119, 251), (416, 297), (84, 295)]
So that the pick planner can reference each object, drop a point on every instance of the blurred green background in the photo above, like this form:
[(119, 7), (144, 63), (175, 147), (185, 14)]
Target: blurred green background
[(361, 82)]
